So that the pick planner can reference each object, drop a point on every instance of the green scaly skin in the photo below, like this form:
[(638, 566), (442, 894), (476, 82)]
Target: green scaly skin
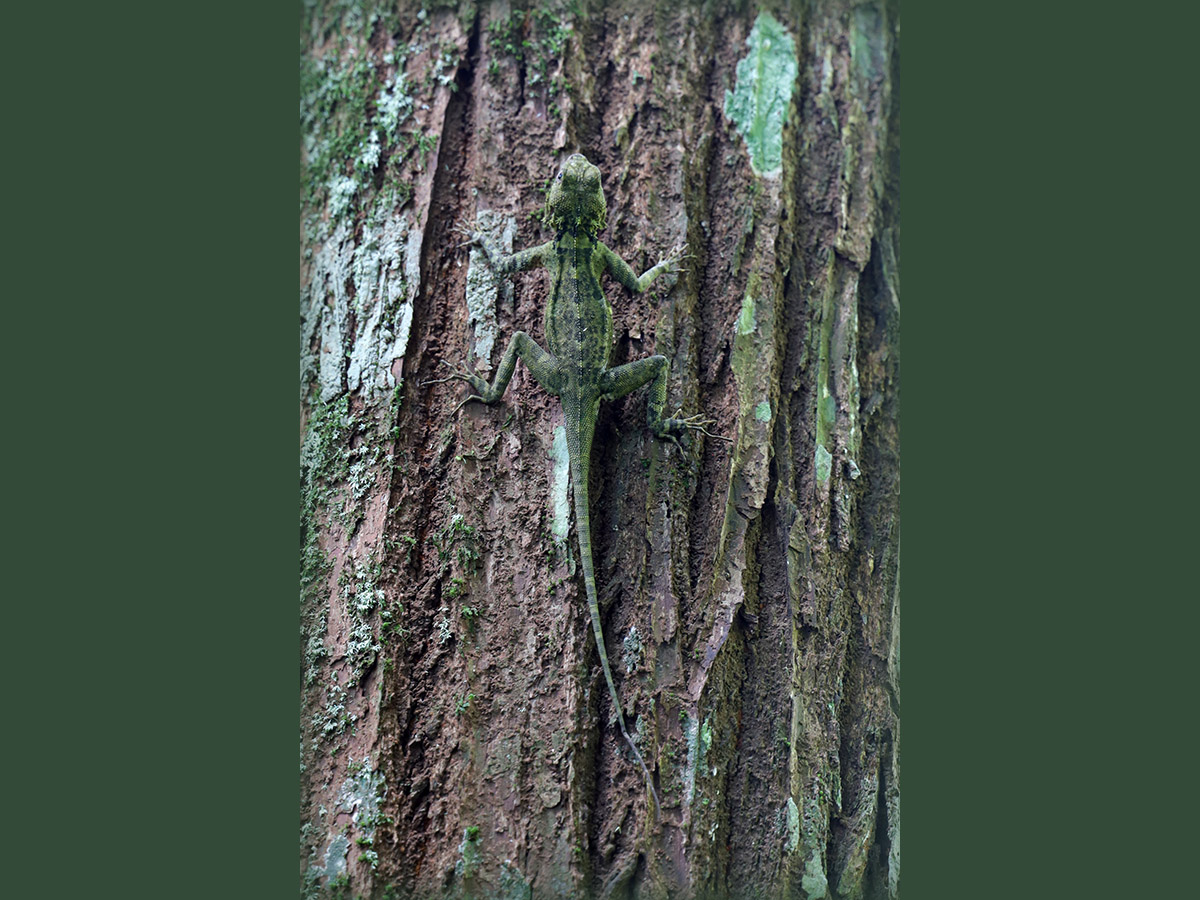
[(579, 331)]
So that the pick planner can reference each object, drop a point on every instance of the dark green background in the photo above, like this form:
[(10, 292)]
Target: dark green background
[(153, 433)]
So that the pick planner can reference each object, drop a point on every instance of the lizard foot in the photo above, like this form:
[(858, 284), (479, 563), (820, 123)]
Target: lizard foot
[(681, 426), (477, 384), (464, 400), (478, 239), (674, 257), (472, 237)]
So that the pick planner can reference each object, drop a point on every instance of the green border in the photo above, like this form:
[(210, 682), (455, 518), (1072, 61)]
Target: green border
[(250, 450), (152, 593), (208, 772), (155, 619), (1008, 785), (955, 725)]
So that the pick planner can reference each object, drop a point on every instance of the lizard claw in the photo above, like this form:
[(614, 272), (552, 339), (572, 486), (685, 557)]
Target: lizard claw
[(456, 374), (675, 255), (464, 401), (681, 424), (472, 237)]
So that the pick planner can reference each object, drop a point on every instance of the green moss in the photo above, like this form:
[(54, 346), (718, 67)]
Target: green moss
[(745, 320), (324, 460), (823, 464), (704, 743), (469, 854), (758, 104), (536, 40), (355, 104), (323, 463), (334, 99), (456, 541)]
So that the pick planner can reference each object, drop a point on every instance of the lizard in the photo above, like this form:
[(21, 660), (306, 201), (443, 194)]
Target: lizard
[(579, 333)]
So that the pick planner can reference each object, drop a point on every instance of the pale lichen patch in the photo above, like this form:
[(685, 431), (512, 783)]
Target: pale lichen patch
[(384, 296), (793, 825), (691, 732), (560, 483), (394, 105), (335, 857), (814, 882), (752, 363), (631, 650), (745, 320), (823, 463), (758, 104), (326, 307), (484, 289), (706, 733), (384, 269), (360, 795), (342, 189)]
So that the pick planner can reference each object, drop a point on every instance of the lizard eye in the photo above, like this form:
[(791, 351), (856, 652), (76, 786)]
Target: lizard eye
[(559, 177)]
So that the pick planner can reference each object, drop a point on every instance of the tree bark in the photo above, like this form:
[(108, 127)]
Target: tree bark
[(457, 738)]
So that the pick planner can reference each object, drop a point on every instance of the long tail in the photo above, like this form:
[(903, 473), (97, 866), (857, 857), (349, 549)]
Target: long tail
[(583, 524)]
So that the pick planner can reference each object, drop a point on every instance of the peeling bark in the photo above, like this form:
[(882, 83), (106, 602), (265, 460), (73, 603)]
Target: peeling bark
[(456, 735)]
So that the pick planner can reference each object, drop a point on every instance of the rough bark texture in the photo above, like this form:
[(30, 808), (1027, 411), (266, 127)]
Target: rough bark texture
[(457, 738)]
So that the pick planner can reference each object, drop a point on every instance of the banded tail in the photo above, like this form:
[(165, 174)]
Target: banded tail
[(583, 524)]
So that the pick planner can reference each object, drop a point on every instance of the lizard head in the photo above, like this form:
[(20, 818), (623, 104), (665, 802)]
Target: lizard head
[(576, 199)]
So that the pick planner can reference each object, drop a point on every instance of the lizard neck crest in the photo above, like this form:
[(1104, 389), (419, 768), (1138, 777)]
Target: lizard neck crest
[(576, 199)]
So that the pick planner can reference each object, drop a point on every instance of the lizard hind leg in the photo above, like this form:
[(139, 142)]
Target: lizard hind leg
[(625, 379), (542, 365)]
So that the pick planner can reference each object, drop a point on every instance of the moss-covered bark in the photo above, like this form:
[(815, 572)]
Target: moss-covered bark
[(456, 735)]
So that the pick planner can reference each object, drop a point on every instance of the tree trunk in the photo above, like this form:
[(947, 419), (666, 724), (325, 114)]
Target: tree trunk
[(457, 737)]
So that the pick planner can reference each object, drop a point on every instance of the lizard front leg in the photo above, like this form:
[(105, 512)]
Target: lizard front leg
[(503, 264), (624, 379), (621, 271), (542, 365)]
